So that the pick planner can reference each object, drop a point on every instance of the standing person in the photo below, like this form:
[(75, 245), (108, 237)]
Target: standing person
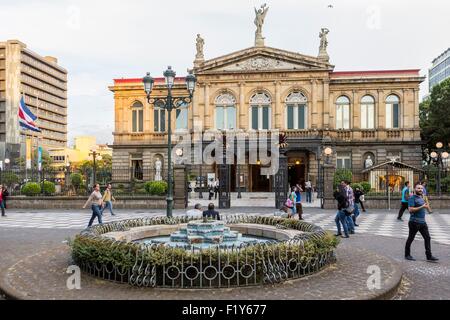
[(293, 198), (211, 213), (425, 196), (211, 188), (404, 203), (216, 188), (417, 223), (298, 202), (308, 188), (349, 194), (5, 195), (107, 199), (96, 202), (2, 201), (358, 195), (341, 218)]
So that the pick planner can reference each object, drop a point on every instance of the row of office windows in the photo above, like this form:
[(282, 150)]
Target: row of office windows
[(296, 115)]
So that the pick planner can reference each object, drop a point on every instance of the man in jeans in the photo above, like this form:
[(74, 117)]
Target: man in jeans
[(308, 187), (405, 197), (107, 199), (417, 208), (349, 194), (340, 216)]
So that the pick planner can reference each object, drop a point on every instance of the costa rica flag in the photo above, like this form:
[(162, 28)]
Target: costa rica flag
[(27, 118)]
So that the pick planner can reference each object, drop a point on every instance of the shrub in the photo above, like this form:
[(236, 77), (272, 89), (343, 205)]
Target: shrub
[(356, 185), (340, 175), (366, 187), (31, 189), (10, 178), (49, 188), (156, 187)]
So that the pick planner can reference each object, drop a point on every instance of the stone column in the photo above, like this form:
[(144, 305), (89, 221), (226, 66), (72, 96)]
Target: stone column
[(380, 106), (326, 104), (242, 108), (207, 109), (328, 201), (314, 118), (355, 111), (179, 191), (278, 106)]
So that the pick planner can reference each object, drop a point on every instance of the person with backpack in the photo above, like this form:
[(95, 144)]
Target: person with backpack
[(341, 217), (404, 202)]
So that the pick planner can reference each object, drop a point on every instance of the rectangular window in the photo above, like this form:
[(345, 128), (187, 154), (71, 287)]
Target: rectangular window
[(367, 116), (156, 119), (290, 117), (301, 117), (231, 118), (134, 120), (220, 118), (159, 120), (141, 120), (265, 120), (182, 119), (343, 117), (162, 120), (344, 160), (255, 117), (395, 116), (392, 116)]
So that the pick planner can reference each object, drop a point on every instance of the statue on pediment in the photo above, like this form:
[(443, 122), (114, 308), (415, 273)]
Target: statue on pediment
[(323, 54), (200, 44), (259, 22)]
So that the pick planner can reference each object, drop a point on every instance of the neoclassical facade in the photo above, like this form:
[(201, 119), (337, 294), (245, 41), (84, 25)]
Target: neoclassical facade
[(361, 115)]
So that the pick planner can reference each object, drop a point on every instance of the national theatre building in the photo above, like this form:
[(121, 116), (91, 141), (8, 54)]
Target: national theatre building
[(365, 117)]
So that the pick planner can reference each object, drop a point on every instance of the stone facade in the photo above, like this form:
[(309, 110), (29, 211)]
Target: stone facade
[(333, 107)]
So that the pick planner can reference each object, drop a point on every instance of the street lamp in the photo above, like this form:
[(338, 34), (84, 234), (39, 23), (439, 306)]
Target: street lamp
[(170, 102), (95, 155), (439, 156), (327, 152)]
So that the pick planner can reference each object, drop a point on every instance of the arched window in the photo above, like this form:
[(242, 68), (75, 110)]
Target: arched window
[(392, 112), (260, 111), (367, 112), (159, 117), (137, 114), (225, 112), (342, 113), (182, 117), (296, 111)]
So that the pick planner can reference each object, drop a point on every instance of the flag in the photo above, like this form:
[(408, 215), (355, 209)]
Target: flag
[(26, 117)]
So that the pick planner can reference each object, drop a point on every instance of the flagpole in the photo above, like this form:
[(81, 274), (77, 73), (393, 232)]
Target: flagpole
[(37, 137)]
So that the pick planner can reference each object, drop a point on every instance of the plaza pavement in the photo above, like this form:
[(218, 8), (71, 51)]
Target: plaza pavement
[(27, 232)]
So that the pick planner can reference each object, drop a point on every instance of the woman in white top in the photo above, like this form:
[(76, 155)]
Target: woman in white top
[(96, 202)]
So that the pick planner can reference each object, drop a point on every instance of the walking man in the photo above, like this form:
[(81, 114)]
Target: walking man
[(404, 204), (107, 199), (2, 201), (417, 208), (349, 194), (96, 202), (340, 215)]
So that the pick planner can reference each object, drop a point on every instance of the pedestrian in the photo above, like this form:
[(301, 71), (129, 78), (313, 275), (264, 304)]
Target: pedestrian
[(216, 188), (341, 218), (308, 188), (358, 195), (293, 198), (5, 195), (107, 199), (425, 196), (211, 213), (96, 202), (298, 202), (417, 208), (362, 199), (404, 203), (2, 202), (350, 210), (211, 187)]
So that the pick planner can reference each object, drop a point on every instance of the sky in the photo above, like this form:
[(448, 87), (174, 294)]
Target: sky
[(100, 40)]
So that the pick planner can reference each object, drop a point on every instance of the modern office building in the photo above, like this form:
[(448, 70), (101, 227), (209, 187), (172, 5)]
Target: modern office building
[(440, 69), (43, 83)]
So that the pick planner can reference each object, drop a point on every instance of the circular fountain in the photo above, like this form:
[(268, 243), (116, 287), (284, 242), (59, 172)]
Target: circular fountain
[(205, 234)]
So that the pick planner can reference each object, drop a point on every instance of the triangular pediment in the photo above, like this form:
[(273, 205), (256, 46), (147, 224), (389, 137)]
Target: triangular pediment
[(258, 59)]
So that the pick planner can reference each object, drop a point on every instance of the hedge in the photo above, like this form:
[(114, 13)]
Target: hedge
[(31, 189)]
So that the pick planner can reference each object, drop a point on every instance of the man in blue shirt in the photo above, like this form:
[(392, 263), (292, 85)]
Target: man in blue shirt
[(405, 197), (417, 208)]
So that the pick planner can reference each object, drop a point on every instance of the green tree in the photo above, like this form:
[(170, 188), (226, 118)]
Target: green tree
[(47, 161), (342, 175), (434, 118)]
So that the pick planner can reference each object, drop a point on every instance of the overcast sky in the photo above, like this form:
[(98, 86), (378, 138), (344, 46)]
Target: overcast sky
[(99, 40)]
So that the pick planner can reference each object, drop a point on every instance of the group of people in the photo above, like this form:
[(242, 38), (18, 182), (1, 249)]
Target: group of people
[(417, 204), (348, 202), (198, 212), (99, 203), (3, 196)]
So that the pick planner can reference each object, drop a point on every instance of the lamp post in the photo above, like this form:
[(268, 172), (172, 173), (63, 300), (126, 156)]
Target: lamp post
[(170, 102), (328, 152), (95, 155), (438, 156)]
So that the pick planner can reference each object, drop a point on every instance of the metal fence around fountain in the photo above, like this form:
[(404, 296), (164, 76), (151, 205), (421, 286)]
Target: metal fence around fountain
[(244, 265)]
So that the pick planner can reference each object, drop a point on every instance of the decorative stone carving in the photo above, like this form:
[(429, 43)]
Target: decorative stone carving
[(260, 98), (296, 97), (158, 167), (262, 63), (200, 44), (225, 99), (259, 22)]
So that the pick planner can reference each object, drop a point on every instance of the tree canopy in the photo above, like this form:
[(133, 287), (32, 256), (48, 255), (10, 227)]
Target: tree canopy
[(435, 118)]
